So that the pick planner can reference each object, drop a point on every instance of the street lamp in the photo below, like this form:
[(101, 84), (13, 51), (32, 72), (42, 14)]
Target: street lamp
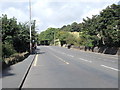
[(30, 24), (54, 38)]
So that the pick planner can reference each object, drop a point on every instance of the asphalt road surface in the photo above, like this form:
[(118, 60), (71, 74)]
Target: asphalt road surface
[(57, 67)]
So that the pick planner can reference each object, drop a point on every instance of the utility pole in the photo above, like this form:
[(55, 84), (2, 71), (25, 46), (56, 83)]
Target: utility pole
[(54, 38), (30, 25)]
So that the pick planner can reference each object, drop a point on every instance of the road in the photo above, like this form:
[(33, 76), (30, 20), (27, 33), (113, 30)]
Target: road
[(57, 67)]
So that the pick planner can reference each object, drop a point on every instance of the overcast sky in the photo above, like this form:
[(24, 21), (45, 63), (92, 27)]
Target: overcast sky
[(53, 13)]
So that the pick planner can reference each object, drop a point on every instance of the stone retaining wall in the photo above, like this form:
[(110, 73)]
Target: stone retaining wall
[(105, 50)]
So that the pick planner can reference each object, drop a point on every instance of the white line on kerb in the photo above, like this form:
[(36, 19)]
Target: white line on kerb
[(85, 60), (36, 58), (110, 67)]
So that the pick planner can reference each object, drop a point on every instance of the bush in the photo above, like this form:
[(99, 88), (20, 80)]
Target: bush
[(7, 50)]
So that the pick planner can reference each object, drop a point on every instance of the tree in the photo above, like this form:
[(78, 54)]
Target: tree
[(15, 36), (48, 35), (100, 30)]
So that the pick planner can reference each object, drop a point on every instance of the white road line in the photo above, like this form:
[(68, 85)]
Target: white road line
[(105, 55), (62, 53), (85, 60), (70, 55), (110, 67), (35, 62), (56, 51), (97, 53), (60, 59), (106, 60), (67, 63)]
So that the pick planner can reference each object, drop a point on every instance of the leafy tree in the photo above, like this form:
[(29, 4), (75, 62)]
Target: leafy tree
[(100, 30), (48, 35), (15, 36), (75, 27)]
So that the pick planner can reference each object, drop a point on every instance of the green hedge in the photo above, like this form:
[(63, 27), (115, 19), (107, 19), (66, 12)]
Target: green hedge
[(7, 50)]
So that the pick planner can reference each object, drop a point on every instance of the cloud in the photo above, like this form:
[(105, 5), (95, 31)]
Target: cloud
[(53, 13), (90, 12), (56, 14), (58, 0), (17, 13)]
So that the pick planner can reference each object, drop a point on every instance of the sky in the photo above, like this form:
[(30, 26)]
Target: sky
[(53, 13)]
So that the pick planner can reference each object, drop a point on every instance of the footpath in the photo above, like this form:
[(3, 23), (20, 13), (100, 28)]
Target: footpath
[(13, 76)]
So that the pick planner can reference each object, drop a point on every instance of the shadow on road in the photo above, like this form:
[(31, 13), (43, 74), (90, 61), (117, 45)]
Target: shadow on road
[(6, 72), (6, 68), (40, 52), (37, 51)]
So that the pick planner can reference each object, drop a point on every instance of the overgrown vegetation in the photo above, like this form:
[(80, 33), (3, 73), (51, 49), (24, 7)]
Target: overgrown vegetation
[(15, 36), (100, 30)]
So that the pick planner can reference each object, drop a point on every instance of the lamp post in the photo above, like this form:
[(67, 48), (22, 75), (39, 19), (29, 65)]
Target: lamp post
[(30, 25), (54, 37)]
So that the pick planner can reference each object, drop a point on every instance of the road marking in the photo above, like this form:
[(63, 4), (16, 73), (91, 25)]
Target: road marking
[(63, 53), (36, 58), (96, 53), (70, 55), (60, 59), (85, 60), (110, 67), (108, 56), (108, 60), (66, 62), (56, 51)]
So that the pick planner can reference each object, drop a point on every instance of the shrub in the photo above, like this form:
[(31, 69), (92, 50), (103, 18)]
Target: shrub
[(7, 50)]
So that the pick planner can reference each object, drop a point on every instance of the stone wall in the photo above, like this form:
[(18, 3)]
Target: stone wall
[(104, 50)]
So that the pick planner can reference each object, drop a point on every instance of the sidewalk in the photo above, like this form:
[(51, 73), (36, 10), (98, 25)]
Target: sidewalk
[(12, 76)]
